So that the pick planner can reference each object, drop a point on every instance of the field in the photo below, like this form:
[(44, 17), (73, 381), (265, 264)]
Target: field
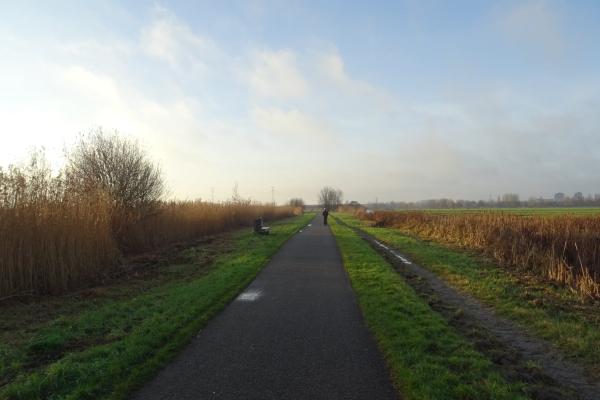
[(551, 211), (561, 247), (540, 311)]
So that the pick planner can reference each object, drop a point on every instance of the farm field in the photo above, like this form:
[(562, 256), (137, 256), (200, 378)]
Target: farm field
[(563, 248), (552, 312), (103, 341), (552, 211)]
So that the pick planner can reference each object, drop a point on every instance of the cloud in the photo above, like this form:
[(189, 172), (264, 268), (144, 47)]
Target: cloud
[(275, 74), (92, 85), (534, 22), (307, 111), (292, 124), (169, 39), (331, 66), (86, 47)]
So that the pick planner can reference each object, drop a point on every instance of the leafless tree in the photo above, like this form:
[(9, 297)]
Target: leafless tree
[(296, 202), (119, 167), (330, 198)]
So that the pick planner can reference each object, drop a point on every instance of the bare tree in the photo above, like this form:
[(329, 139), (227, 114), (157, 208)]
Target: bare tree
[(119, 167), (330, 198), (296, 202)]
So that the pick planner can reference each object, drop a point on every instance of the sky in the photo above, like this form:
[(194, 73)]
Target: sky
[(400, 100)]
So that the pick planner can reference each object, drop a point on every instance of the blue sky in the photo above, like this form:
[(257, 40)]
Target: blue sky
[(398, 100)]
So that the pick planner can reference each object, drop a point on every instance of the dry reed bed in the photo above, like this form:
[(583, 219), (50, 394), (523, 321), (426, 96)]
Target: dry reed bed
[(176, 221), (57, 246), (564, 248), (54, 239)]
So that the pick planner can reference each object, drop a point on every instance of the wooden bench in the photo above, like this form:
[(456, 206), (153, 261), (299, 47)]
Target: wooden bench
[(260, 228)]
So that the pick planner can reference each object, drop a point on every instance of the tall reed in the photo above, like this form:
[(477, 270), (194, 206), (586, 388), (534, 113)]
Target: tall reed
[(50, 240), (174, 221), (54, 239), (563, 248)]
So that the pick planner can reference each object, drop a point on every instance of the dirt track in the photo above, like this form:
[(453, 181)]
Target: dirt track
[(520, 356)]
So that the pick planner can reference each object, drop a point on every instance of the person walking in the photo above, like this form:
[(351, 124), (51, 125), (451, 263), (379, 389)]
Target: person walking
[(325, 214)]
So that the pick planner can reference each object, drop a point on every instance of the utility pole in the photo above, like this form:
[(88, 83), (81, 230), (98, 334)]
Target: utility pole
[(273, 195), (212, 194)]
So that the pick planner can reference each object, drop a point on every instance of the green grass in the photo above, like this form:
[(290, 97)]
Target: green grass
[(553, 313), (544, 211), (106, 350), (428, 359)]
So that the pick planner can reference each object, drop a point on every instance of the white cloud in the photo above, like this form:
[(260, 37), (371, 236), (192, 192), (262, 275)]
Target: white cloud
[(275, 74), (331, 66), (87, 47), (169, 39), (308, 113), (292, 124), (91, 85), (534, 22)]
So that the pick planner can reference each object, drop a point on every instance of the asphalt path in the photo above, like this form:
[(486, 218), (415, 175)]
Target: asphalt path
[(295, 332)]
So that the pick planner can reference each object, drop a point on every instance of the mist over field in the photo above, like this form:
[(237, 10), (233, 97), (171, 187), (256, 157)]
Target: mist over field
[(397, 101)]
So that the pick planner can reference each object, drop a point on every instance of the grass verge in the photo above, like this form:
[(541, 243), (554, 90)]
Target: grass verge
[(428, 359), (542, 308), (108, 349)]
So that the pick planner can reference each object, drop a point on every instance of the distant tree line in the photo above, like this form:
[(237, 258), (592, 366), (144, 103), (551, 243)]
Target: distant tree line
[(507, 200), (296, 202)]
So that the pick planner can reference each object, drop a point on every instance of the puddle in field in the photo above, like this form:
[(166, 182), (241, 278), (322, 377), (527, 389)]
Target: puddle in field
[(398, 256), (250, 295)]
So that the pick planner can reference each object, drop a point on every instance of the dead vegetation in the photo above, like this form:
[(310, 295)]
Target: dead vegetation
[(563, 248), (62, 232)]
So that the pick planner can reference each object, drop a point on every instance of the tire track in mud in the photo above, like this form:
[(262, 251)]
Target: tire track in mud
[(519, 356)]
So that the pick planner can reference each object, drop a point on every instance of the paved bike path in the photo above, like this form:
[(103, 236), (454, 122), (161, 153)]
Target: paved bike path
[(296, 332)]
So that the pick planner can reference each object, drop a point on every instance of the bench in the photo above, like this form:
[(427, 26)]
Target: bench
[(260, 228)]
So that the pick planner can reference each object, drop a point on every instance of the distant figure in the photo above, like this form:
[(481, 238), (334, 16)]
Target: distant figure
[(325, 214)]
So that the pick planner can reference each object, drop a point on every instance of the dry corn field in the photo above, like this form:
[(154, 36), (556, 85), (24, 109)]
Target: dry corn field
[(562, 248), (54, 239)]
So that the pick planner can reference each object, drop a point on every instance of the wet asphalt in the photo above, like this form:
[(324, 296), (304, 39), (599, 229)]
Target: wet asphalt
[(295, 332)]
